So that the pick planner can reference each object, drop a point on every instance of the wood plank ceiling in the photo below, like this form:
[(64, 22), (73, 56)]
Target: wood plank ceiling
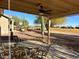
[(59, 7)]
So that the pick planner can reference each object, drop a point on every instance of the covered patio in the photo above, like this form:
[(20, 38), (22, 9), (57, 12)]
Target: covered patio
[(46, 8), (54, 8)]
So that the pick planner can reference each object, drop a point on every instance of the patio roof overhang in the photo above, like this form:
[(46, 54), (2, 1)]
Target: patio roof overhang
[(58, 8)]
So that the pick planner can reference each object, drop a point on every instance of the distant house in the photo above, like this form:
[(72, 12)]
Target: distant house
[(5, 24), (37, 26)]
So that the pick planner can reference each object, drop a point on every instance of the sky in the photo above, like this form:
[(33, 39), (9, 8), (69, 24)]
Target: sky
[(72, 20)]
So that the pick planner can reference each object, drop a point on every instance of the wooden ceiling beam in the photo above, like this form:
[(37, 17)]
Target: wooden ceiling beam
[(1, 1), (20, 4), (65, 14), (45, 4), (59, 3), (23, 4), (62, 5), (36, 7), (32, 1), (59, 7), (20, 9), (74, 4), (51, 5)]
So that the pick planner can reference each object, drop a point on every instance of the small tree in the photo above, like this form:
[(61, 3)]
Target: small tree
[(38, 20), (57, 21), (54, 21), (17, 20)]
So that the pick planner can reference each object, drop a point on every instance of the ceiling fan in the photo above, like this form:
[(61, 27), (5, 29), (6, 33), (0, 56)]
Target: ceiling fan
[(43, 10)]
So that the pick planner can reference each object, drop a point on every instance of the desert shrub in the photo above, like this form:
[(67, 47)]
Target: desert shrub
[(77, 27), (63, 27)]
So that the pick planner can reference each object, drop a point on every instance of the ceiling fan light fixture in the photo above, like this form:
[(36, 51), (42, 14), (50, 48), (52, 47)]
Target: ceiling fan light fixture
[(41, 14)]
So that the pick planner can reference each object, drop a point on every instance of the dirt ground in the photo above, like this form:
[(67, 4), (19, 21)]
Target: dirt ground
[(59, 37), (30, 35), (65, 31)]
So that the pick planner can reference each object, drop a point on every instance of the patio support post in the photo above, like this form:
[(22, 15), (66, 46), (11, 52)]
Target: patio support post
[(42, 26), (49, 22)]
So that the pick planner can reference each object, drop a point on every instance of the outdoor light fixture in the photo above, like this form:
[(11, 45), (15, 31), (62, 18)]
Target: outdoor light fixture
[(41, 14)]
